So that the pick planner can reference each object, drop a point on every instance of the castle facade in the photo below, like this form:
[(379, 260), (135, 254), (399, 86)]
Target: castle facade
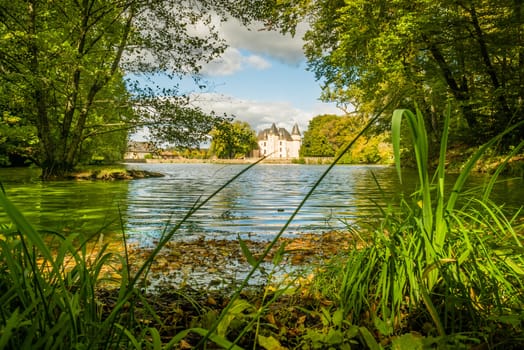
[(278, 143)]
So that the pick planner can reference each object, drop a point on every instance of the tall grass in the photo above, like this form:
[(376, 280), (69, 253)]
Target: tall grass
[(48, 297), (450, 263)]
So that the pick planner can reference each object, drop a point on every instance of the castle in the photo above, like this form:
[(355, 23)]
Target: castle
[(279, 143)]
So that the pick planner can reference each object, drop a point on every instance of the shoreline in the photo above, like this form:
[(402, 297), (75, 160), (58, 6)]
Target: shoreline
[(308, 160)]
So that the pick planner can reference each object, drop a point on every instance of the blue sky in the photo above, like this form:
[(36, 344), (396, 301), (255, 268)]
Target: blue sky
[(262, 79)]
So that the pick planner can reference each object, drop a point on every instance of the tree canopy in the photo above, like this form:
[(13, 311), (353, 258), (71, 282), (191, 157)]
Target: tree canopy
[(375, 53), (63, 66), (327, 135), (232, 140)]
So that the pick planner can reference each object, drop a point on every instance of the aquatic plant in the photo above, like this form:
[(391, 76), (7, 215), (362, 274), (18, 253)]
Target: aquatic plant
[(446, 265), (450, 263), (49, 295)]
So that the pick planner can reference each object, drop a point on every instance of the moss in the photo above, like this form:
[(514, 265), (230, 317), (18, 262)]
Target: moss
[(110, 174)]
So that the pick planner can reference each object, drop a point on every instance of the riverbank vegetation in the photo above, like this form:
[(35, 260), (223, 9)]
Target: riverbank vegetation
[(440, 269), (443, 270), (327, 135), (74, 95)]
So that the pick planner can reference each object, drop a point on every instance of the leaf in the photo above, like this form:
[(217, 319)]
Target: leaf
[(325, 316), (270, 343), (247, 253), (155, 338), (395, 136), (271, 319), (337, 318), (408, 341), (279, 254), (239, 306), (369, 339)]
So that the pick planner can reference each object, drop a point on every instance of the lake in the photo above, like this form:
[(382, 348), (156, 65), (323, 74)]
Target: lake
[(256, 205)]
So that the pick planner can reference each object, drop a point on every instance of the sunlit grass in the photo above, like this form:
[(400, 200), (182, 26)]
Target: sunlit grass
[(444, 264), (450, 269)]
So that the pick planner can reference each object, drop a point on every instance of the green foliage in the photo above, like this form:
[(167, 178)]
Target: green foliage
[(316, 142), (327, 134), (232, 140), (336, 332), (107, 148), (439, 256), (64, 63), (16, 139), (374, 53)]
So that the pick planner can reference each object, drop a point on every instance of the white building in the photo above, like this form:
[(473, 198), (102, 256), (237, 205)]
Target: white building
[(279, 143)]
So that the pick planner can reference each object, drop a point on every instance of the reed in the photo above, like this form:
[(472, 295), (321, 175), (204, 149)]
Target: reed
[(443, 258), (446, 260), (49, 300)]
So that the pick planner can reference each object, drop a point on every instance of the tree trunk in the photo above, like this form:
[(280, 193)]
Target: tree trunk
[(498, 88), (459, 92)]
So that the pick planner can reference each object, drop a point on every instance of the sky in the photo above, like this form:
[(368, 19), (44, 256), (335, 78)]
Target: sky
[(262, 79)]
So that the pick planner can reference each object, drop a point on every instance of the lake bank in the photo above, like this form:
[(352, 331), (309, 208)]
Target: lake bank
[(180, 160), (304, 310), (456, 159)]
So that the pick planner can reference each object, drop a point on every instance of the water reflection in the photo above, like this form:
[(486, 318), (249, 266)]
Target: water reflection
[(257, 204), (65, 206)]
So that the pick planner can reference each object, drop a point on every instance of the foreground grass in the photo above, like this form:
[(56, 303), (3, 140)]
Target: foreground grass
[(443, 272)]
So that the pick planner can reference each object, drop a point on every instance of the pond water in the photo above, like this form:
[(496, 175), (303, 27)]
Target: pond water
[(256, 205)]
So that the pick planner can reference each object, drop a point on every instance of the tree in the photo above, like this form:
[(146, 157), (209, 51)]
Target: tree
[(67, 61), (233, 140), (327, 135), (376, 54), (316, 141), (17, 141), (18, 138)]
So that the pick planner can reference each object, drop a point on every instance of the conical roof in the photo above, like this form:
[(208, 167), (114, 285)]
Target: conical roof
[(295, 130)]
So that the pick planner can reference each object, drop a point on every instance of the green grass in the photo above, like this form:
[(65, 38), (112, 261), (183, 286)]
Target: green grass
[(444, 264)]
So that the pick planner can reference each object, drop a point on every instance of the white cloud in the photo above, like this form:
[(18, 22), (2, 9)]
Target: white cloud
[(232, 61), (256, 39), (261, 45), (257, 62), (261, 114)]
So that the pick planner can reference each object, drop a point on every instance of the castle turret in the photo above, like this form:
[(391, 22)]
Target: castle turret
[(295, 133)]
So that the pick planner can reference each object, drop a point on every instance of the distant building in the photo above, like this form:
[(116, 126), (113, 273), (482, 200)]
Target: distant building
[(279, 143), (139, 150)]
